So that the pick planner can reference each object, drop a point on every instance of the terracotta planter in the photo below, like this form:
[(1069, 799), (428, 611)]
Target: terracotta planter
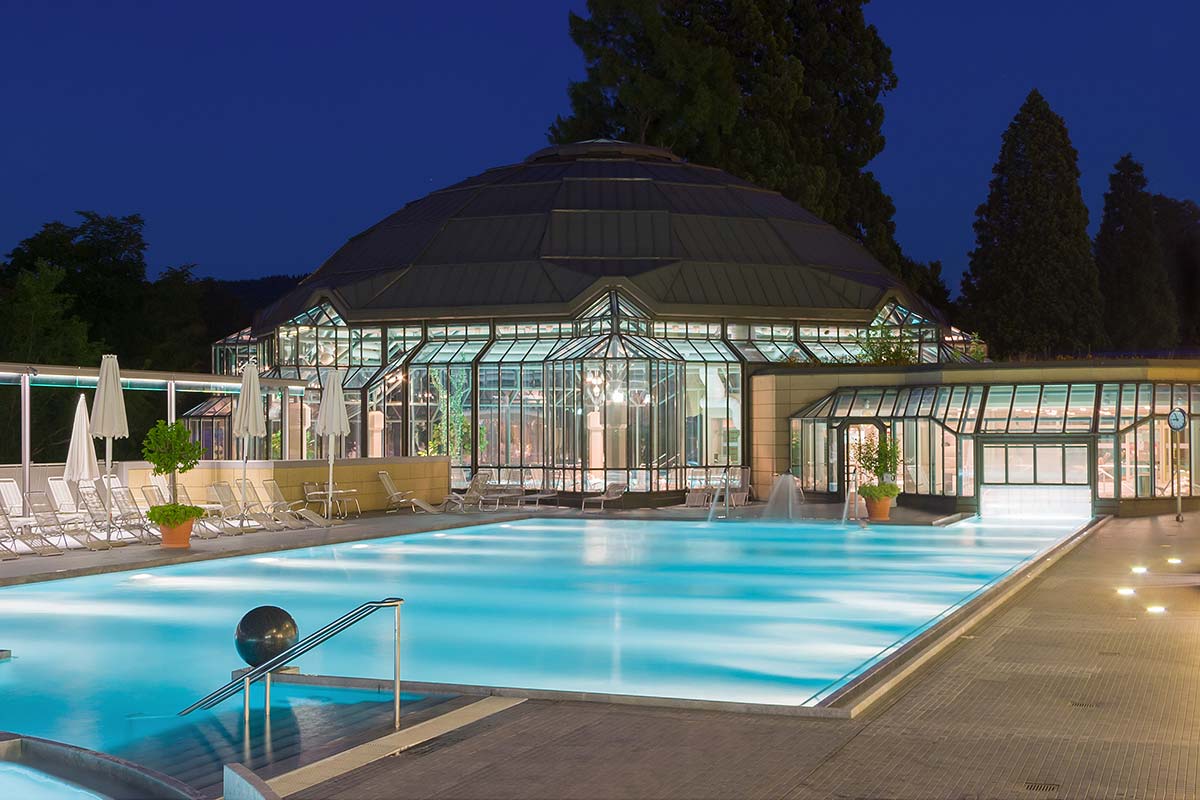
[(879, 510), (178, 537)]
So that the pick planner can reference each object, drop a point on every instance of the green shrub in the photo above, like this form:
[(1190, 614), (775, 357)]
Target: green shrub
[(879, 491), (173, 514), (170, 451)]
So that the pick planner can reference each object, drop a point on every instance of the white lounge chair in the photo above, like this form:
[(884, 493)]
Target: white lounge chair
[(278, 503), (614, 491), (472, 496), (399, 498), (26, 536), (8, 539), (129, 516), (254, 503), (201, 529), (51, 524), (10, 501), (233, 513)]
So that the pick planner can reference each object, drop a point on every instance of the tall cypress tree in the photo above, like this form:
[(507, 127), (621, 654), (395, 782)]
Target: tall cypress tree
[(1178, 226), (1139, 309), (784, 94), (1031, 288)]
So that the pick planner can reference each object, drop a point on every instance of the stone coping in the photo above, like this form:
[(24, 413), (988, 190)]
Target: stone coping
[(111, 776)]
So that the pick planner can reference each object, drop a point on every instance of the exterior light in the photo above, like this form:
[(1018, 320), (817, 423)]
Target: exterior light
[(1155, 609), (1174, 560), (1126, 591), (1138, 570), (359, 546), (141, 576)]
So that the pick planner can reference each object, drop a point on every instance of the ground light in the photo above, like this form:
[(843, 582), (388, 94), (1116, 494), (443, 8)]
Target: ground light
[(1174, 560), (1126, 591), (1138, 570), (1156, 609)]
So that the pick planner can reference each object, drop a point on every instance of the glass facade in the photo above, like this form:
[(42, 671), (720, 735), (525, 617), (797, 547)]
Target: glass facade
[(611, 394), (1111, 436)]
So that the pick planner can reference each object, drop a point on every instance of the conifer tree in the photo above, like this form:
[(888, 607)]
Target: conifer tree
[(1139, 308), (1178, 226), (1031, 288)]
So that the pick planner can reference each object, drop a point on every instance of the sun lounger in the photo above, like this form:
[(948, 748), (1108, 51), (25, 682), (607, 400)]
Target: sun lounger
[(210, 525), (614, 491), (255, 504), (10, 501), (50, 524), (130, 518), (233, 513), (536, 498), (90, 502), (298, 507), (62, 497), (473, 496), (201, 528), (397, 498), (25, 536), (8, 539)]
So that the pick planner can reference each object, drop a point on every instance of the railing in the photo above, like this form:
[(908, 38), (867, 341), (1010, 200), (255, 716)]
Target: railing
[(264, 670)]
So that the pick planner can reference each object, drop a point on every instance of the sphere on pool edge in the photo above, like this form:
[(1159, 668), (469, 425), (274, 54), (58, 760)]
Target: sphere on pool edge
[(264, 633)]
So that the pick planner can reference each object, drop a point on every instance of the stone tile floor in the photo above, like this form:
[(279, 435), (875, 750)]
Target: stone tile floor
[(1069, 691)]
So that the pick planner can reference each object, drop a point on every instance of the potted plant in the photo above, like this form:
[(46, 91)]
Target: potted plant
[(880, 458), (171, 451)]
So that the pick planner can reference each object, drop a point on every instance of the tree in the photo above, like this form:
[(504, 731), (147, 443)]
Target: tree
[(39, 329), (104, 264), (1178, 226), (783, 94), (1139, 309), (1031, 288)]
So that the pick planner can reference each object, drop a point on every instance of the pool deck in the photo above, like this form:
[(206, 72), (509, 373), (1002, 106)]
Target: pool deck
[(1068, 691)]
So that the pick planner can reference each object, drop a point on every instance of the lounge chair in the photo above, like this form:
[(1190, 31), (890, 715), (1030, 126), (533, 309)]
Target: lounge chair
[(278, 503), (130, 517), (27, 536), (211, 521), (13, 506), (8, 539), (472, 496), (537, 497), (698, 497), (315, 495), (90, 502), (52, 524), (614, 491), (233, 513), (396, 498), (62, 497), (255, 504)]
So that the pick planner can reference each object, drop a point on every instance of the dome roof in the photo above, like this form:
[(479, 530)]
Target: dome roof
[(542, 236)]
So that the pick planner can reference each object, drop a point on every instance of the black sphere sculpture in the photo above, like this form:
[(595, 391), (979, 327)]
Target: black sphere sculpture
[(264, 633)]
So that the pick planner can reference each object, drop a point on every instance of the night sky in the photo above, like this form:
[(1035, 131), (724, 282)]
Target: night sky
[(255, 139)]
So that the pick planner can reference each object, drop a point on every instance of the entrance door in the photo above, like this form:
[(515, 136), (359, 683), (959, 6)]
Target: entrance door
[(1036, 478)]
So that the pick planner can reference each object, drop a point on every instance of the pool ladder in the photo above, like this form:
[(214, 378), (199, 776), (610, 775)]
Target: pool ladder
[(242, 683)]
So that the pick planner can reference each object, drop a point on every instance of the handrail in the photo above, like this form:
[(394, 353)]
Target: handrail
[(313, 640)]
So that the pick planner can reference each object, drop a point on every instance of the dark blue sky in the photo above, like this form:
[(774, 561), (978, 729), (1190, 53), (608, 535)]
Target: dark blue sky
[(255, 138)]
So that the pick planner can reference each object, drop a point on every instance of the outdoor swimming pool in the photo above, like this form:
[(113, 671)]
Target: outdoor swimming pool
[(742, 611), (27, 783)]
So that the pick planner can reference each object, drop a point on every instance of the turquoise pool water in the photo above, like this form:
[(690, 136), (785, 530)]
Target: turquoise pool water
[(765, 613), (26, 783)]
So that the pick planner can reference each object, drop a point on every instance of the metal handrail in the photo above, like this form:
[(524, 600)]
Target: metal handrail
[(313, 640)]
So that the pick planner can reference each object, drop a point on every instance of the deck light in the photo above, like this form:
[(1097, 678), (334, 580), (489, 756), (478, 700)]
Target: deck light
[(1174, 560), (141, 576), (1156, 609), (359, 546), (1125, 591), (1138, 570)]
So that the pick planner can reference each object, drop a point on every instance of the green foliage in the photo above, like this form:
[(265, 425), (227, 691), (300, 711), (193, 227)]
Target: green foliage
[(171, 451), (451, 435), (1140, 313), (879, 491), (786, 95), (1032, 287), (1177, 223), (880, 344), (878, 456), (39, 328), (173, 514)]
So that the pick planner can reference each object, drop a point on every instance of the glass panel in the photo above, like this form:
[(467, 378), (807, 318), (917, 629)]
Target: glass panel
[(995, 413), (994, 463), (971, 413), (1106, 468), (1024, 409), (1020, 463), (967, 462), (1081, 408), (1053, 409), (1162, 398), (866, 403), (1049, 465), (1075, 464), (1128, 404), (1109, 400)]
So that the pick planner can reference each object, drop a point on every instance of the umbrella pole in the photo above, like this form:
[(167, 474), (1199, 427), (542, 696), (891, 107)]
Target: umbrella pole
[(245, 455), (108, 482), (329, 485)]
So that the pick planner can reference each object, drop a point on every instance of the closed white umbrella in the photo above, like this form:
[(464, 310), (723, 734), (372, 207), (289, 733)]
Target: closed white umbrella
[(332, 421), (108, 417), (248, 417), (81, 453)]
